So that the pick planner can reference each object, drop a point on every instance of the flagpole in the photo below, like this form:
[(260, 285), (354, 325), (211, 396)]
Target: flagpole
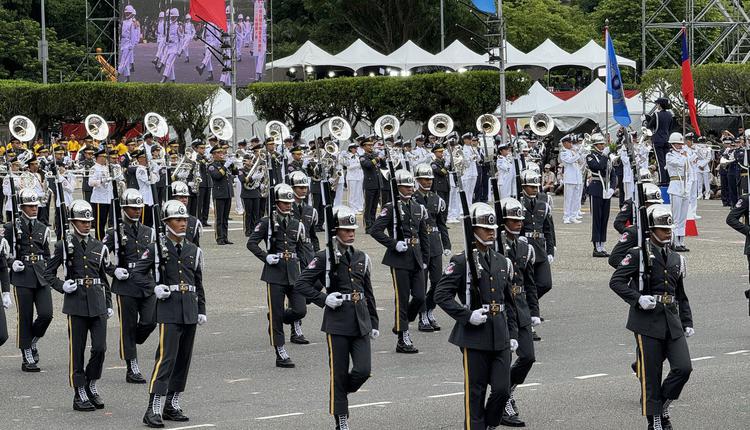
[(501, 64), (606, 93)]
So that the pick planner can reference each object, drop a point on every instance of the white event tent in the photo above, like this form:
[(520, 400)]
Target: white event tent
[(538, 99), (359, 55)]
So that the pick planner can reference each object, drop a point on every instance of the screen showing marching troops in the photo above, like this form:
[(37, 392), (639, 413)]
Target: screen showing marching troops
[(160, 41)]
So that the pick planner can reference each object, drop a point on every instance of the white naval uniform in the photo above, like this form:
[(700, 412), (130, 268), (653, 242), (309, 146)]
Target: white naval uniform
[(506, 174), (680, 182), (187, 37), (129, 35), (469, 178), (572, 183)]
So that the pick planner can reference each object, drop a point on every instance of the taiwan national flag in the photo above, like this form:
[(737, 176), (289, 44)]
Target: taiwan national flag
[(688, 90)]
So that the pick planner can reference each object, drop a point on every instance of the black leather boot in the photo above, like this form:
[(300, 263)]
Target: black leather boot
[(282, 358), (133, 374), (152, 417), (172, 409), (81, 401), (404, 345), (94, 396)]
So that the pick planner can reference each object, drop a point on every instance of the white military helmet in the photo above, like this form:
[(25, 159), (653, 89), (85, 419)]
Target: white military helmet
[(283, 193), (534, 167), (404, 178), (130, 9), (299, 179), (161, 14), (180, 189), (512, 209), (80, 210), (597, 139), (345, 218), (660, 216), (174, 209), (423, 171), (174, 13), (131, 198), (531, 178), (676, 138), (483, 215), (652, 194), (187, 16), (28, 197)]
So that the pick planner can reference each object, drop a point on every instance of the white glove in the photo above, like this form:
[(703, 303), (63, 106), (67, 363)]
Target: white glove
[(647, 302), (70, 286), (513, 345), (228, 163), (272, 259), (110, 312), (6, 300), (18, 266), (447, 252), (121, 274), (202, 319), (334, 300), (550, 258), (401, 246), (374, 334), (606, 151), (478, 316), (689, 331), (424, 266), (535, 321), (162, 291)]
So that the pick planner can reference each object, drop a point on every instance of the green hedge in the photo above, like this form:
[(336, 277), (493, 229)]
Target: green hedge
[(183, 105), (463, 96)]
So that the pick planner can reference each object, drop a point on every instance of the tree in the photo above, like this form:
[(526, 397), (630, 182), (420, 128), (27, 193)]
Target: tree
[(530, 22)]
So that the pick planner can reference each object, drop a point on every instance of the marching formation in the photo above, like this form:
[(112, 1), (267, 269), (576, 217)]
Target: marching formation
[(137, 230)]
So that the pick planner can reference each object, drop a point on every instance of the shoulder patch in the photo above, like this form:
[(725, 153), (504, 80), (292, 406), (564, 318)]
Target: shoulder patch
[(739, 203), (145, 254), (625, 261), (624, 208), (313, 263), (624, 237), (384, 212), (257, 227), (449, 268), (211, 168)]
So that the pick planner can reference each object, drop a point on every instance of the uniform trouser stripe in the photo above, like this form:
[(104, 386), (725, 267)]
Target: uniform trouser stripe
[(467, 411), (642, 373), (395, 297), (270, 314), (330, 367), (18, 319), (157, 365), (119, 316), (70, 351)]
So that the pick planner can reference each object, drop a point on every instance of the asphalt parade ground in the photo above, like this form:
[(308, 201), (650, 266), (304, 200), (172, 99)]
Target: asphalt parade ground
[(581, 380)]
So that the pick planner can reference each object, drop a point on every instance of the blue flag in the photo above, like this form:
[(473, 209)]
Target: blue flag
[(614, 86), (486, 6)]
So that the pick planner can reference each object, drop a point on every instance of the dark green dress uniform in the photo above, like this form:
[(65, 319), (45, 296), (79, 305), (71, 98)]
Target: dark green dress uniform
[(406, 267), (486, 347), (177, 315), (309, 218), (371, 166), (522, 255), (87, 189), (441, 182), (136, 304), (439, 240), (86, 307), (32, 290), (624, 218), (659, 332), (287, 241), (251, 200), (4, 288), (738, 220), (194, 231), (539, 231), (349, 326), (204, 189), (222, 192)]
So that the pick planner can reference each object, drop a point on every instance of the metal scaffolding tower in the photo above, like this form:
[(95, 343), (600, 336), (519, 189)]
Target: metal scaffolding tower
[(102, 27)]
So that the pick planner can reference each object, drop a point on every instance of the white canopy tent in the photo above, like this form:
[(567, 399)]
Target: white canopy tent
[(538, 99), (457, 56), (409, 56), (594, 56), (549, 55), (359, 55), (308, 54)]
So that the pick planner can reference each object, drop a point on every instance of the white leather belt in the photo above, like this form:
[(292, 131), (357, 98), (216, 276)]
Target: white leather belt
[(182, 288)]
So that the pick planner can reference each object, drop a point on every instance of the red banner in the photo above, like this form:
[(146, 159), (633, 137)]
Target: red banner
[(213, 11)]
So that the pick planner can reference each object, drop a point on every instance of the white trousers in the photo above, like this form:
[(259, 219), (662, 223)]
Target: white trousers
[(679, 206), (356, 198), (469, 184), (692, 198), (339, 194), (207, 63), (239, 208), (454, 208), (704, 182), (629, 188), (572, 201)]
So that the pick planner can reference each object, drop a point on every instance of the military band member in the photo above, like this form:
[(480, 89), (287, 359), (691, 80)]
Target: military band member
[(87, 302), (350, 318), (681, 179), (41, 188), (295, 164), (145, 178), (180, 307), (181, 193), (285, 240), (220, 171), (522, 255), (572, 180), (371, 165), (629, 234), (276, 167), (31, 289), (441, 181), (100, 180), (438, 238), (203, 202), (354, 178), (4, 289), (600, 191), (486, 332), (136, 306), (407, 258), (659, 316), (251, 193)]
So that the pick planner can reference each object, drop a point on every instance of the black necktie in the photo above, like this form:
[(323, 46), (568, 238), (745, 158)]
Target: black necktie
[(135, 230), (178, 247), (664, 255), (31, 225), (83, 243)]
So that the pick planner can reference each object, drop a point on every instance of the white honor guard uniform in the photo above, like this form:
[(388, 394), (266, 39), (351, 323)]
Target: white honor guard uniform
[(354, 177), (680, 182), (572, 184)]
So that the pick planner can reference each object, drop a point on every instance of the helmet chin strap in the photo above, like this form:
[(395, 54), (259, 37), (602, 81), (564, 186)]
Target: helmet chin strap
[(516, 232), (403, 196), (125, 214), (483, 242), (278, 209), (174, 233), (27, 216), (78, 232), (338, 239)]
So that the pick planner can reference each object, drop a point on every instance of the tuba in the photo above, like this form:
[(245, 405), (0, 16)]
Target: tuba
[(277, 130), (339, 128), (96, 127), (440, 125), (156, 124), (387, 126), (22, 128), (220, 127), (542, 124), (488, 124)]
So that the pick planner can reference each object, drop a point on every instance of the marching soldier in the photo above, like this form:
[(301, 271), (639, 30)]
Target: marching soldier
[(659, 316), (441, 181), (181, 193), (350, 318), (5, 289), (600, 190), (371, 165), (101, 194), (680, 182), (738, 219), (276, 168), (32, 290), (539, 232), (629, 235), (296, 163), (522, 255), (285, 238), (250, 193), (220, 171), (87, 302), (180, 307), (486, 332), (136, 306), (439, 240), (406, 257)]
